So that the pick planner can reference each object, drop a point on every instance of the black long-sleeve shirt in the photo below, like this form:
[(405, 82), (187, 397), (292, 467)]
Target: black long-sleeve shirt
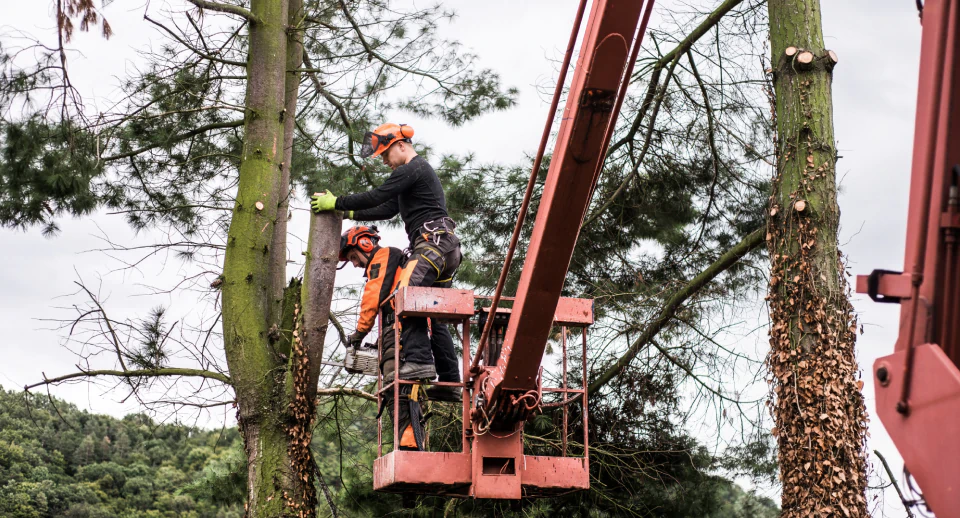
[(413, 191)]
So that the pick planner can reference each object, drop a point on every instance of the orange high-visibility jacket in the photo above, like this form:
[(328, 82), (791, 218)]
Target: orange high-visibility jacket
[(382, 279)]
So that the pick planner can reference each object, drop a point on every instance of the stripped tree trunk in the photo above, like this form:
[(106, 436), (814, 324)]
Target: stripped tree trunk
[(818, 406), (275, 386)]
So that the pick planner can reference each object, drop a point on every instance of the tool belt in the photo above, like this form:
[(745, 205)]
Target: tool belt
[(432, 230)]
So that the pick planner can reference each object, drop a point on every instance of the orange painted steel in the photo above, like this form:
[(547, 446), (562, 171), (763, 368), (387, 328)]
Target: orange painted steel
[(417, 301), (570, 312), (918, 387), (927, 438)]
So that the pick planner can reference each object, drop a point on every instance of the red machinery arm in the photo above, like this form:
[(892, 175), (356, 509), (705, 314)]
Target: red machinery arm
[(588, 121), (507, 386), (918, 387)]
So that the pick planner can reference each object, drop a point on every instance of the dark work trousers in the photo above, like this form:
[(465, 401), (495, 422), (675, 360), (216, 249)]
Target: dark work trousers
[(444, 356), (388, 369), (432, 263)]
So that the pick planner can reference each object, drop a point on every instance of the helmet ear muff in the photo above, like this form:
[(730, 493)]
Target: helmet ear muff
[(406, 132), (365, 244)]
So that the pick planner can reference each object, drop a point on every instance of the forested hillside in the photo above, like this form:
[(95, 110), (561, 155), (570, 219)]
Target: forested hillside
[(56, 460)]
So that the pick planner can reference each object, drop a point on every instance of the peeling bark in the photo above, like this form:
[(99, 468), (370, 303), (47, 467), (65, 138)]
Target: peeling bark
[(817, 402)]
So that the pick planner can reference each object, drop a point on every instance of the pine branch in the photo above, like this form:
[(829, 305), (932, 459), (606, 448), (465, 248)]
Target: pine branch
[(728, 259), (143, 373), (225, 8), (173, 140)]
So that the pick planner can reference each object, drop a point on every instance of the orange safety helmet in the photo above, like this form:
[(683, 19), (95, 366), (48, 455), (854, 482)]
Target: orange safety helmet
[(378, 140), (362, 237)]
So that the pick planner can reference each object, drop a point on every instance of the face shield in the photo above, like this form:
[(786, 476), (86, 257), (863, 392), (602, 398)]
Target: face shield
[(374, 144)]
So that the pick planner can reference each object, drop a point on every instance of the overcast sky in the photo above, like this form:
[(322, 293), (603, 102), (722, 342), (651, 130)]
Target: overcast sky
[(874, 101)]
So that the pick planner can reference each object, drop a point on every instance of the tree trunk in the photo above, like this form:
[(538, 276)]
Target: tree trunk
[(274, 385), (818, 407), (278, 250)]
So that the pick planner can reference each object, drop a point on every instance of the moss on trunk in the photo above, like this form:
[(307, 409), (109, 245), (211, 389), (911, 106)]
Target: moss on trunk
[(818, 407), (269, 390)]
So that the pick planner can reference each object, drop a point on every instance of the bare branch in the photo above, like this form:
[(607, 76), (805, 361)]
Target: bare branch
[(643, 152), (893, 480), (711, 20), (342, 111), (373, 53), (114, 338), (225, 8), (728, 259), (345, 391), (204, 55), (143, 373)]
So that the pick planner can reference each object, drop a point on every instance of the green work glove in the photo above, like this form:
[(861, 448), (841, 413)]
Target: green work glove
[(320, 202)]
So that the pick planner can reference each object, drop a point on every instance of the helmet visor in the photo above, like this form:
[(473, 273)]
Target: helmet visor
[(371, 144), (374, 144), (343, 247)]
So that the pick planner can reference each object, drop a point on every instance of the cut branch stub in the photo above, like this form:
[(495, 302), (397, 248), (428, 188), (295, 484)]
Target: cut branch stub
[(800, 205), (791, 51), (830, 60), (804, 60)]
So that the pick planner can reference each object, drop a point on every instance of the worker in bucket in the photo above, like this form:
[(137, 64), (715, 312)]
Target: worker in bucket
[(414, 192), (360, 246)]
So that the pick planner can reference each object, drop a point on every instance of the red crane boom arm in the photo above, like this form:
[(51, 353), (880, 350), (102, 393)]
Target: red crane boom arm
[(506, 390), (918, 387), (588, 120)]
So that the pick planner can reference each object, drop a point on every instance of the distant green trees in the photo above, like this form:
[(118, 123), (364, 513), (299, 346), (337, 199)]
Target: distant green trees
[(56, 460)]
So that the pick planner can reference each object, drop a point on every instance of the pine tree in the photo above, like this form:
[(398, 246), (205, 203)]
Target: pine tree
[(204, 144), (818, 405)]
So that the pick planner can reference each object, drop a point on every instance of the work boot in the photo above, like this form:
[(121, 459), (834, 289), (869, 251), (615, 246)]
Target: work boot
[(445, 393), (417, 371)]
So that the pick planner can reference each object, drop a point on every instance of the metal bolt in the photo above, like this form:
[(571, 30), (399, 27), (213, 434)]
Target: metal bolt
[(883, 376), (903, 408)]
